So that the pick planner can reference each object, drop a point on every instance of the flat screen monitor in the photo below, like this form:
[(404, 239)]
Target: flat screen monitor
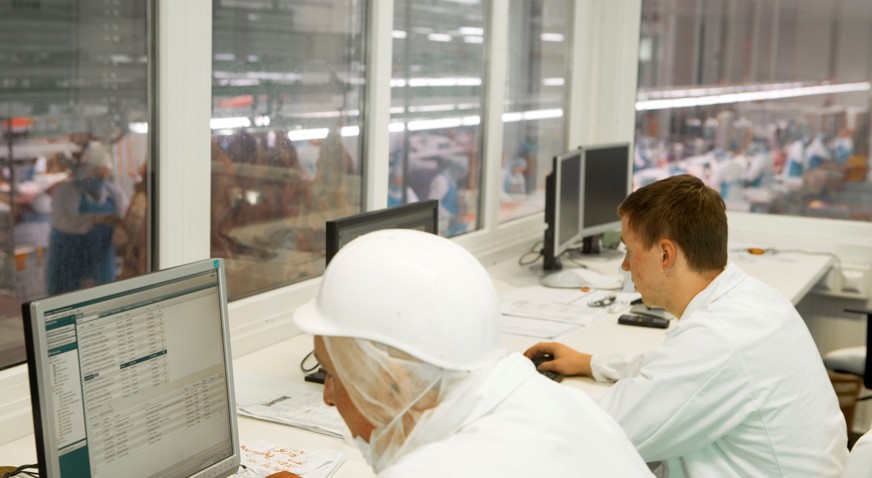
[(606, 176), (422, 216), (134, 378), (562, 207)]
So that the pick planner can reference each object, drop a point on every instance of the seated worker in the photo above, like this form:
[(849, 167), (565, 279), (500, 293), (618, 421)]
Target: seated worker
[(407, 326), (738, 387)]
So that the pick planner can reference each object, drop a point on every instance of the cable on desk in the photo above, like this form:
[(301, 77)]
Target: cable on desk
[(22, 471), (303, 364), (534, 250)]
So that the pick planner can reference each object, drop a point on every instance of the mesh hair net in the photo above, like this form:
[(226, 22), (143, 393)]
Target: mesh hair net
[(95, 155), (392, 389)]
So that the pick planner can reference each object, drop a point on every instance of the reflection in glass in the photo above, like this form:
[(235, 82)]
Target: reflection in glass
[(533, 130), (74, 120), (436, 98), (767, 102), (287, 92)]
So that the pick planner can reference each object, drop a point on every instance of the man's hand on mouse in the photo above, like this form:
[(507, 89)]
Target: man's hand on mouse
[(567, 361)]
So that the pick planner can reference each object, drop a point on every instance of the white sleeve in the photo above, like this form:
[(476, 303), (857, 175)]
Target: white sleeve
[(689, 394), (612, 368)]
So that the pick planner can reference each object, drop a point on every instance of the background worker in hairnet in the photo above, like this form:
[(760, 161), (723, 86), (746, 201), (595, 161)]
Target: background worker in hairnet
[(738, 387), (407, 326), (85, 209)]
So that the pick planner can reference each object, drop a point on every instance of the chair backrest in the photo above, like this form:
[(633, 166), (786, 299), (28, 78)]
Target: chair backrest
[(867, 376), (859, 464)]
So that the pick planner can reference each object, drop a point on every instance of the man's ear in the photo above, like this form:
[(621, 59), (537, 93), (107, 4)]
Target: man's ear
[(668, 253)]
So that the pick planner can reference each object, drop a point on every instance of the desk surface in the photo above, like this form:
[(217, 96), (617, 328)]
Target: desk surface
[(791, 274)]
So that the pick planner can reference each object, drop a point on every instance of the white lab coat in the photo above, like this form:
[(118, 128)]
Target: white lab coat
[(859, 464), (516, 423), (737, 389)]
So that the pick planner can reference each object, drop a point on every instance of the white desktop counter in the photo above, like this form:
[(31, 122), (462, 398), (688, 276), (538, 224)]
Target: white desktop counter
[(793, 274)]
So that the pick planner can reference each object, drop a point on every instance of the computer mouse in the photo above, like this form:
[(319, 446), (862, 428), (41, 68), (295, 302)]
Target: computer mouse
[(538, 359)]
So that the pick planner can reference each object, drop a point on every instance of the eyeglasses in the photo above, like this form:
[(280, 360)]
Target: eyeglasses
[(604, 302)]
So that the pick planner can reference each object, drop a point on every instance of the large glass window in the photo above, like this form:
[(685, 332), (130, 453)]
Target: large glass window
[(766, 101), (436, 108), (533, 129), (287, 93), (74, 154)]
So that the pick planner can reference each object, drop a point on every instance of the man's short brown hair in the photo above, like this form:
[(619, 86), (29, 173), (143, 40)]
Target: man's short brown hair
[(684, 210)]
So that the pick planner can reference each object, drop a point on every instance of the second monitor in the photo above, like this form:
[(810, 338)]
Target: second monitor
[(605, 178), (422, 215)]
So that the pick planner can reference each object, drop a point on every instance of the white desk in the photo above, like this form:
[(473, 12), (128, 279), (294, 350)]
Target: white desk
[(792, 274)]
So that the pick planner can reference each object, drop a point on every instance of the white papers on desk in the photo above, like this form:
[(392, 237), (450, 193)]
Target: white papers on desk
[(543, 329), (292, 404), (265, 458), (562, 306)]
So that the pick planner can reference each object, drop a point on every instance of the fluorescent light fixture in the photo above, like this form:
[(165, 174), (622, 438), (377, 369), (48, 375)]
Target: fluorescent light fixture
[(532, 115), (350, 131), (399, 34), (552, 37), (473, 31), (424, 82), (261, 120), (307, 134), (419, 82), (745, 96), (552, 82), (396, 127), (430, 108), (473, 39), (244, 82), (439, 37), (225, 57), (138, 127), (232, 122)]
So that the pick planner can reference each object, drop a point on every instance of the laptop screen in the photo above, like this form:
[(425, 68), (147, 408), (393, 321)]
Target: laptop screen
[(134, 378)]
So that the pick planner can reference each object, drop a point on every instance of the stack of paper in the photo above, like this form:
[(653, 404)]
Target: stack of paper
[(288, 403), (265, 458)]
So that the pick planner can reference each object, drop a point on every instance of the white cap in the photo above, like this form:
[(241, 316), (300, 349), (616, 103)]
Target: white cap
[(96, 155), (411, 290)]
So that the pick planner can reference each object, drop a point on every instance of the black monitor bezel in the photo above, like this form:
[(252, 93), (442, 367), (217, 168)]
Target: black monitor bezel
[(386, 216), (551, 249)]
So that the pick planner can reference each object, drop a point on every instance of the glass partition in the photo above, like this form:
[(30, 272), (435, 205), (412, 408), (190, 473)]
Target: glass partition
[(436, 107), (74, 163), (533, 130), (768, 102), (287, 99)]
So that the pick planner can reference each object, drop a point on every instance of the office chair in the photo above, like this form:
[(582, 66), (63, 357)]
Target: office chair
[(854, 360)]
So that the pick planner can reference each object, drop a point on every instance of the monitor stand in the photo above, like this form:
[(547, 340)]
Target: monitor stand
[(591, 244), (591, 248)]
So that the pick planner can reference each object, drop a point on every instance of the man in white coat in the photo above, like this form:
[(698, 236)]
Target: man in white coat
[(407, 326), (738, 387)]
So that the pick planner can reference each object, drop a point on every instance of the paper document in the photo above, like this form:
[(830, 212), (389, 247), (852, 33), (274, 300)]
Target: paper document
[(573, 314), (265, 458), (543, 329), (292, 404)]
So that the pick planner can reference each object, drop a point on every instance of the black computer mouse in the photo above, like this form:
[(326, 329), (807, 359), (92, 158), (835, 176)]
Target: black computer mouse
[(538, 359)]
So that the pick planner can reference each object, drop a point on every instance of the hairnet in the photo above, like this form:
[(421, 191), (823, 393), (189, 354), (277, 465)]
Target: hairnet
[(391, 389), (95, 156)]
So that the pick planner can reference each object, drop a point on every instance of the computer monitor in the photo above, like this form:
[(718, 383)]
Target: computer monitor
[(605, 178), (562, 207), (134, 378), (422, 215)]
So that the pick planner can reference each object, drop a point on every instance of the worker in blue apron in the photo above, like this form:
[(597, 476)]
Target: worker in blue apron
[(85, 209)]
